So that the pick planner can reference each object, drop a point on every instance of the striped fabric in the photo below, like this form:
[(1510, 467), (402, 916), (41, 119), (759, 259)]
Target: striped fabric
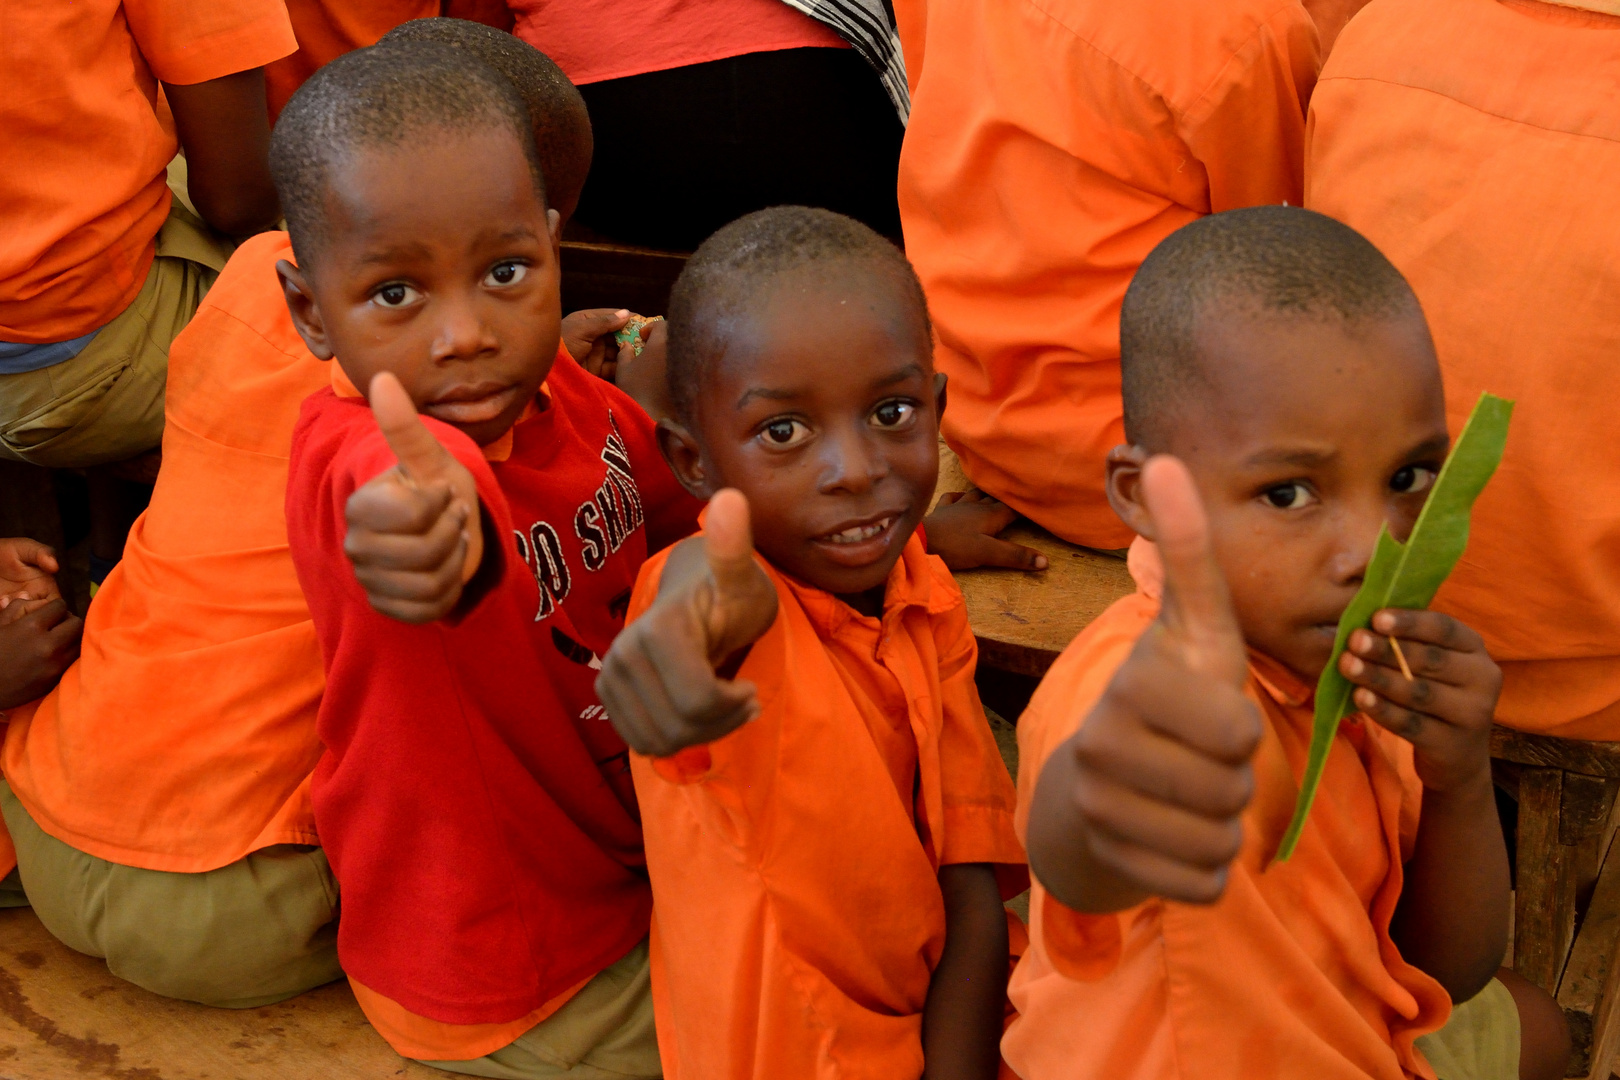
[(868, 25)]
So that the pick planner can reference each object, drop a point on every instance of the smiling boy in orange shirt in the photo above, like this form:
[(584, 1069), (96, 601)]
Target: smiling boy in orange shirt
[(830, 842)]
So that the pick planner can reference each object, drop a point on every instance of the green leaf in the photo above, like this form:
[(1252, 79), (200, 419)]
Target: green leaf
[(1405, 576)]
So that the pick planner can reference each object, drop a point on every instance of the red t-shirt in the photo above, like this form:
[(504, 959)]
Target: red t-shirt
[(474, 801), (595, 40)]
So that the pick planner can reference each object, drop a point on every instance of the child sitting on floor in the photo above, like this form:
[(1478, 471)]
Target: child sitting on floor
[(828, 878), (218, 893), (1282, 402), (473, 799)]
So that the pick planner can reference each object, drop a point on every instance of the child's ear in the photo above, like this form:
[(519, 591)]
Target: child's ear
[(685, 457), (306, 316), (1125, 488), (940, 379)]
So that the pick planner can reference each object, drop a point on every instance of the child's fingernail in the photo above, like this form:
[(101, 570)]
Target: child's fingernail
[(1355, 665), (622, 313), (1040, 562), (1366, 699), (1384, 621)]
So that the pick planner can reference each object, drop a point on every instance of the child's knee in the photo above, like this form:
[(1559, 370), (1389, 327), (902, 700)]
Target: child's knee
[(256, 931), (1544, 1045)]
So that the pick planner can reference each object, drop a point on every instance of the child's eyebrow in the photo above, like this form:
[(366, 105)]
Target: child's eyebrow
[(1297, 457), (516, 232), (393, 254), (770, 393), (1437, 445), (909, 371)]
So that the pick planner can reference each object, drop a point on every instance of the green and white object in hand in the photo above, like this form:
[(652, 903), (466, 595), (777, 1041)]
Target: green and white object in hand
[(1405, 576), (630, 334)]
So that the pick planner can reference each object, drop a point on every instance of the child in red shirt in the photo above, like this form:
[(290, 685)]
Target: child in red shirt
[(464, 569)]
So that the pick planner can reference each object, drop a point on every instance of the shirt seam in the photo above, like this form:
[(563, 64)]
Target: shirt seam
[(1382, 81), (1232, 55)]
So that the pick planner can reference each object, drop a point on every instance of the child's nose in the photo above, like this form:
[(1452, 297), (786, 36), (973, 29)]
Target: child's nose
[(462, 331), (852, 463), (1358, 536)]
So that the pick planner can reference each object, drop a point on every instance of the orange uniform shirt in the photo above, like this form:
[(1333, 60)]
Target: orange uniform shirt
[(88, 141), (327, 29), (184, 736), (1292, 973), (1051, 146), (797, 915), (1462, 137)]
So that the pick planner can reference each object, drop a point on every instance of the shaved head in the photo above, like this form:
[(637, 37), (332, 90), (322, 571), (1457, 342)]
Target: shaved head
[(383, 98), (732, 274), (1268, 261), (562, 126)]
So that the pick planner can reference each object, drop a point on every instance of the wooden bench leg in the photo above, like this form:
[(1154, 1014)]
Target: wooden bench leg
[(1589, 992), (1565, 826), (1563, 820)]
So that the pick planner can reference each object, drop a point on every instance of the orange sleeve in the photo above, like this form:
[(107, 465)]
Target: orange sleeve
[(191, 41), (978, 796), (1274, 74), (1080, 946)]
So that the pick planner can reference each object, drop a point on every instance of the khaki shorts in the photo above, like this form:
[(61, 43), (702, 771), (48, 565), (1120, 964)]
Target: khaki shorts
[(106, 404), (251, 933), (1480, 1041), (604, 1032)]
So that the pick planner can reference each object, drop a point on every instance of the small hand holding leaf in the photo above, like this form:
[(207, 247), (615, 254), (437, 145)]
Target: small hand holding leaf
[(1444, 708), (660, 681), (415, 535), (1406, 576)]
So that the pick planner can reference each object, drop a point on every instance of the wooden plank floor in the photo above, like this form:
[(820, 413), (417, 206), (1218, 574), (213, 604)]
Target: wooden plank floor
[(63, 1016)]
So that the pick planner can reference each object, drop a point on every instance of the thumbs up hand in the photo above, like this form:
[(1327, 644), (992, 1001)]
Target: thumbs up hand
[(1146, 798), (661, 680), (415, 533)]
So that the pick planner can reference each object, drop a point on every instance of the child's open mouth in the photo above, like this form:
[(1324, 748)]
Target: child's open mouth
[(859, 544)]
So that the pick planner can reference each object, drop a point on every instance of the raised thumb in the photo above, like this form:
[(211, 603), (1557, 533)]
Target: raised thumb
[(1197, 606), (422, 458), (729, 542)]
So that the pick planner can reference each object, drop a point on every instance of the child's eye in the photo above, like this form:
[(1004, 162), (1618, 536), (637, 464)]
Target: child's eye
[(1412, 480), (395, 294), (505, 273), (1290, 496), (784, 433), (894, 415)]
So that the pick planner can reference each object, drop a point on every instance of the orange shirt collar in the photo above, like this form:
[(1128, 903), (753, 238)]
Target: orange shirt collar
[(1286, 688), (909, 585), (499, 450)]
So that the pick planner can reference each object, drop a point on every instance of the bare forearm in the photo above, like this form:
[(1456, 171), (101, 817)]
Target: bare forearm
[(1453, 916), (225, 132), (963, 1014)]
